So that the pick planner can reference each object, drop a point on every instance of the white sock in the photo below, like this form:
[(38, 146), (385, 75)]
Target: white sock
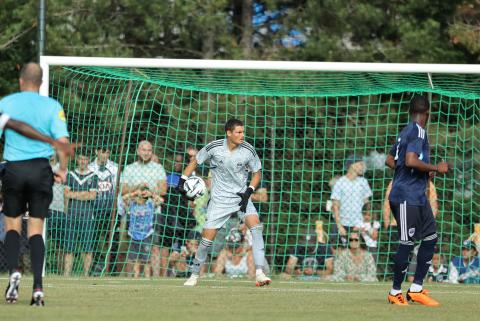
[(259, 271), (416, 287), (395, 292)]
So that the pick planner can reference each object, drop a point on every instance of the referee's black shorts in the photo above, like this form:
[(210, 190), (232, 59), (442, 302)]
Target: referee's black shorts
[(27, 182), (414, 223)]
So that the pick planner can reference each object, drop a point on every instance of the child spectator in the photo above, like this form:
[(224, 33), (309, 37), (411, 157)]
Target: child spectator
[(141, 204), (437, 271), (369, 231)]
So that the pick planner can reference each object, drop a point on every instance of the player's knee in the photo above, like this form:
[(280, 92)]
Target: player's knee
[(402, 255)]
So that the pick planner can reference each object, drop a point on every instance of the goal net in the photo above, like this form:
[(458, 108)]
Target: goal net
[(307, 126)]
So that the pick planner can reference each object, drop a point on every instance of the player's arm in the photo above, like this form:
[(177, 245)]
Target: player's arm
[(412, 161), (390, 161), (30, 132)]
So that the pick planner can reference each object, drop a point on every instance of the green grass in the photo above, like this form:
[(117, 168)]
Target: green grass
[(166, 299)]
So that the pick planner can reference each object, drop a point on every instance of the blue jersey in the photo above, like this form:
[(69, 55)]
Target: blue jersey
[(141, 220), (409, 185), (42, 113)]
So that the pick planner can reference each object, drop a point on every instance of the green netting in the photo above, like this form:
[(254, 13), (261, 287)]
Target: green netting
[(304, 126)]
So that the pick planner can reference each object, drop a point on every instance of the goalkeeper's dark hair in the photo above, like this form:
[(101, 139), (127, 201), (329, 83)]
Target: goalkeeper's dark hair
[(232, 123), (419, 105)]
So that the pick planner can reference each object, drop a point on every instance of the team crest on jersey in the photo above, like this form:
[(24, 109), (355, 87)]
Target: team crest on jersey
[(411, 232)]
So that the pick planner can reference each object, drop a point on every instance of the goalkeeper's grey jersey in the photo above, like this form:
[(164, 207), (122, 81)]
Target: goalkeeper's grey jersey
[(230, 170)]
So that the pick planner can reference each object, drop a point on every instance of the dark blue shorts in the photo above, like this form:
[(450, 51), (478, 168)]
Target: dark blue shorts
[(414, 223)]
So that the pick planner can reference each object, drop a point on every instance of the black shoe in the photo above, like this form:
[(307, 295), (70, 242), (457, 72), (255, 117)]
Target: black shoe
[(37, 298), (11, 293)]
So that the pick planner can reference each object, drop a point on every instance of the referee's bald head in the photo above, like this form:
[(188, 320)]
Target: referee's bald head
[(31, 74)]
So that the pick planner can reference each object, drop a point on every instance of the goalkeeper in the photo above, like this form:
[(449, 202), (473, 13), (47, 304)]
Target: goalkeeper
[(231, 160)]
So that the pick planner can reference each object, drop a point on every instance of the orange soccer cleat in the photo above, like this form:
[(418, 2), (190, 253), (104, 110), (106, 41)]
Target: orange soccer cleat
[(422, 297), (397, 299)]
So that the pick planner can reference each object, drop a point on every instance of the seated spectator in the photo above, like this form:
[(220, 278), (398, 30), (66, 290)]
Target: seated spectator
[(437, 271), (465, 268), (141, 205), (235, 260), (354, 263), (313, 259), (369, 231), (182, 257)]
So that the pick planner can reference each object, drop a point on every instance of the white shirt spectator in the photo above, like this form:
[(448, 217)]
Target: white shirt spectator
[(351, 194)]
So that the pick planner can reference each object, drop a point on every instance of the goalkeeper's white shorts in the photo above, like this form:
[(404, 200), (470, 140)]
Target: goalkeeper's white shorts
[(218, 215)]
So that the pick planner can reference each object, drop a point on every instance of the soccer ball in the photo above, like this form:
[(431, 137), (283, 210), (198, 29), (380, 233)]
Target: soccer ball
[(194, 187)]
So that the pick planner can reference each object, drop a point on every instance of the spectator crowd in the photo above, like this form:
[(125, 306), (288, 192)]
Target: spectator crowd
[(134, 222)]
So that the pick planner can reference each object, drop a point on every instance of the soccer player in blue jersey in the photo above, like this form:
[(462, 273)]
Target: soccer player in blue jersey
[(28, 177), (410, 158), (231, 160)]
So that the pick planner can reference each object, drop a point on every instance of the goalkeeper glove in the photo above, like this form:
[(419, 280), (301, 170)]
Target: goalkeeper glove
[(181, 182), (245, 196), (181, 189)]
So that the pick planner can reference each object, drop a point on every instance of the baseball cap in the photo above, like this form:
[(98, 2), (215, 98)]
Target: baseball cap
[(468, 244), (234, 237), (352, 159)]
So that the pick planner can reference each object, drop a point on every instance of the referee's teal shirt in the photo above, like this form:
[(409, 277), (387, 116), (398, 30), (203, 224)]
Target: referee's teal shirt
[(42, 113)]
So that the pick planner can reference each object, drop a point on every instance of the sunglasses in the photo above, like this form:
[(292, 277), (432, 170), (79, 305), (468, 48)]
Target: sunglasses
[(352, 240)]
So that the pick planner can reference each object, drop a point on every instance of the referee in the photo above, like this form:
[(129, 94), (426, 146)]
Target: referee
[(28, 177)]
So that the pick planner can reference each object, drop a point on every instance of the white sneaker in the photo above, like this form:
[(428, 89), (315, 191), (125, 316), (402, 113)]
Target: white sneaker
[(11, 294), (192, 280), (261, 279)]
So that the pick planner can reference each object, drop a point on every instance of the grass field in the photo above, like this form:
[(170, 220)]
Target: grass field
[(166, 299)]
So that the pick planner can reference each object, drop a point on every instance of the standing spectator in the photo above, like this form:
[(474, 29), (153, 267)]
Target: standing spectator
[(106, 171), (28, 176), (350, 194), (141, 204), (369, 232), (437, 271), (80, 193), (313, 259), (465, 268), (56, 215), (178, 216), (145, 172), (354, 264)]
